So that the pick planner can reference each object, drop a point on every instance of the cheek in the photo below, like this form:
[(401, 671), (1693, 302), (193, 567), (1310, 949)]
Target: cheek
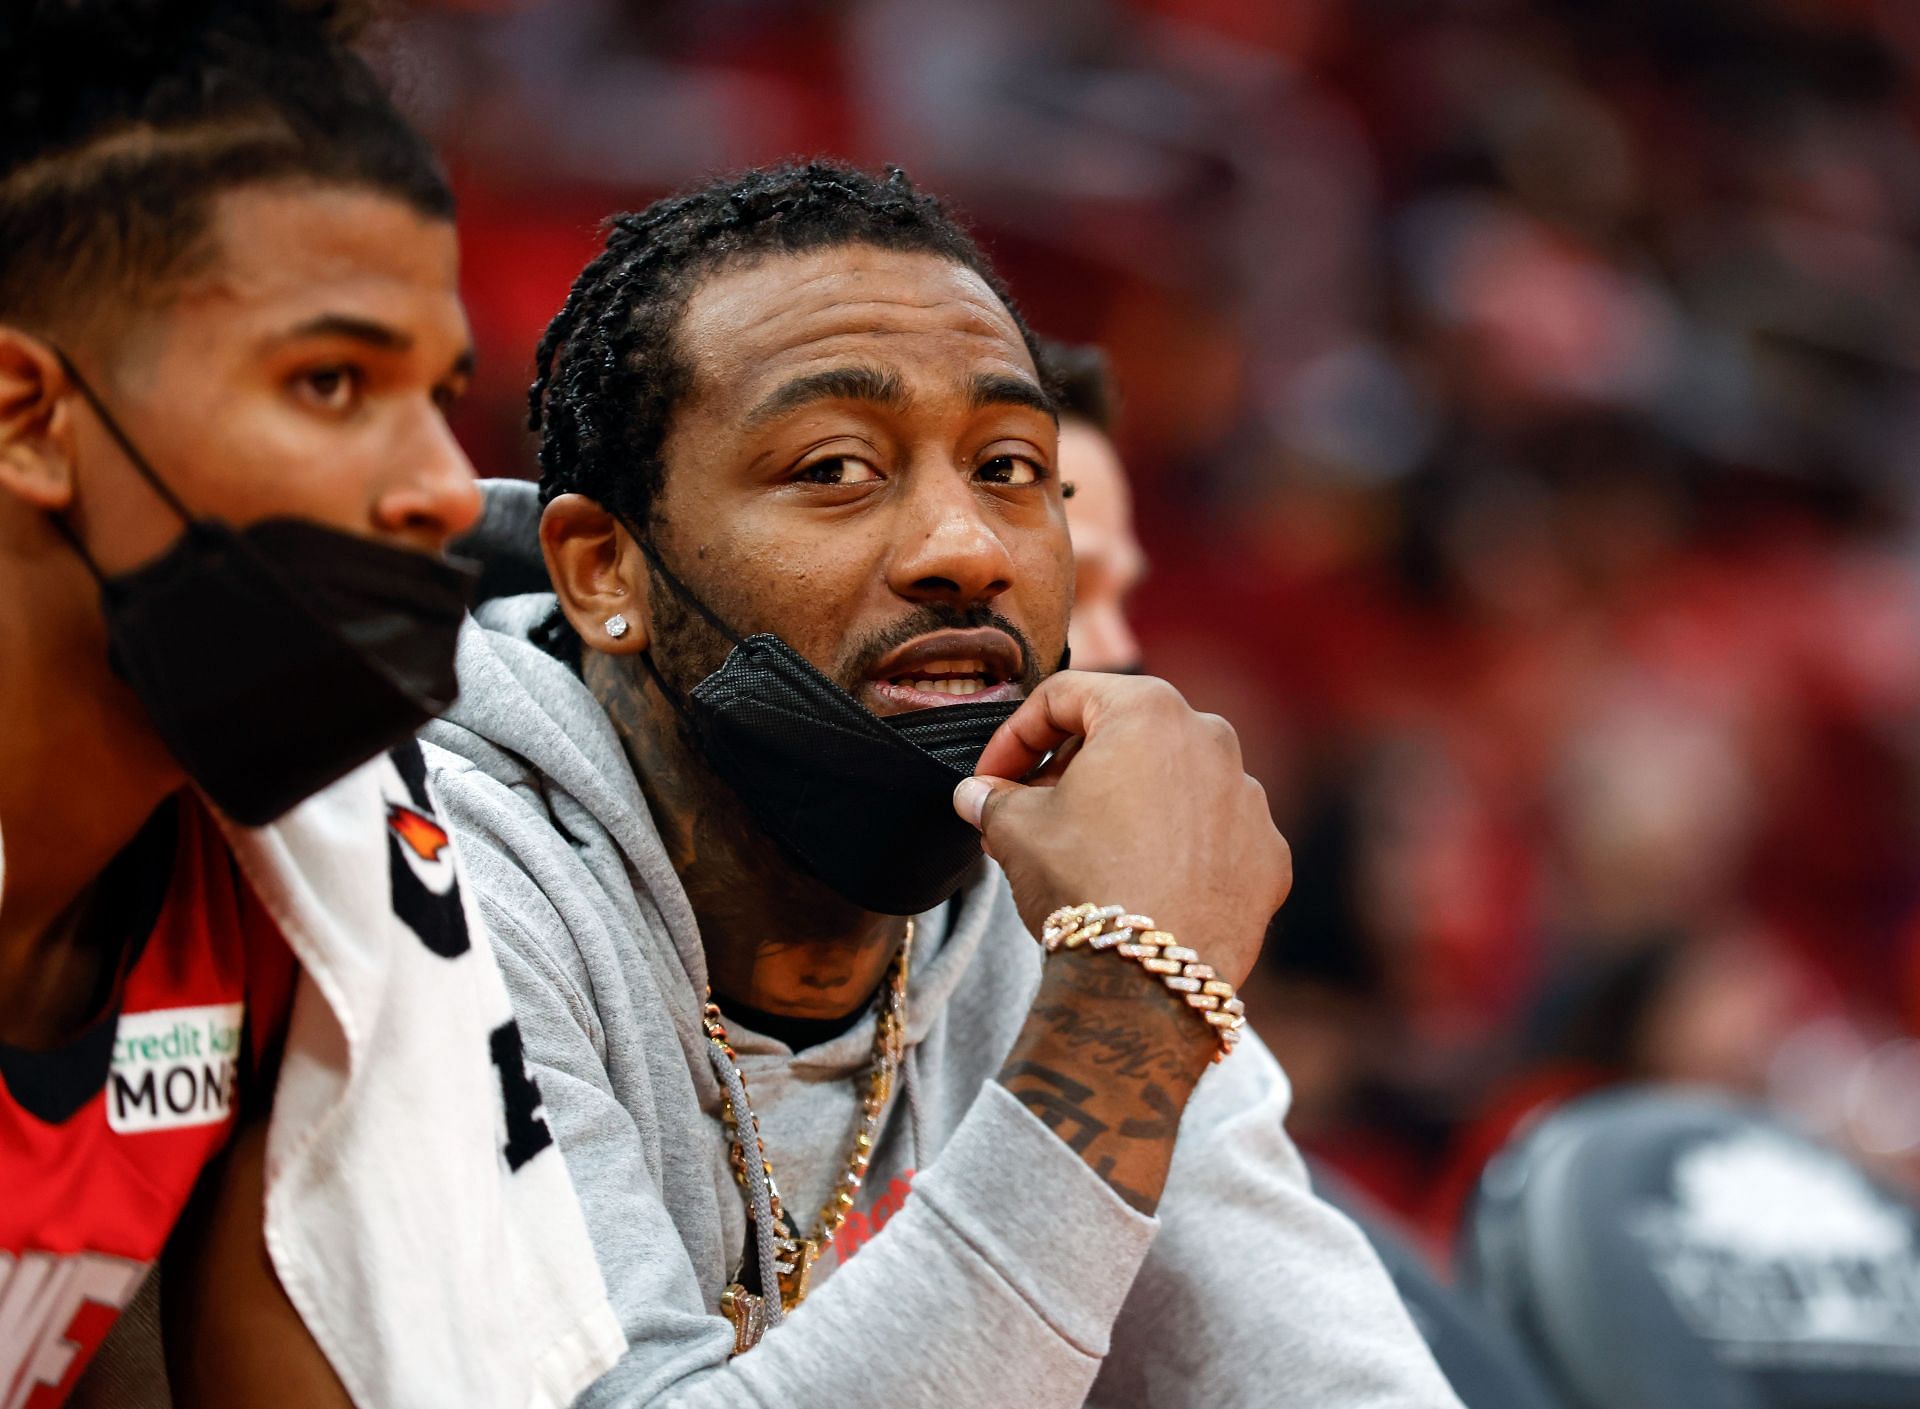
[(256, 456), (811, 589), (291, 462), (1046, 586)]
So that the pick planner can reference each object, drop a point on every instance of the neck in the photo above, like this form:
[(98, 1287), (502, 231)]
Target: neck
[(776, 939), (80, 772)]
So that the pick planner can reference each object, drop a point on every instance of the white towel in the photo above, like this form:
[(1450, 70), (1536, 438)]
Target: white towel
[(417, 1211)]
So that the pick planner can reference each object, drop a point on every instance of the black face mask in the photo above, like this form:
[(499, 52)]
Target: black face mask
[(274, 659), (861, 803)]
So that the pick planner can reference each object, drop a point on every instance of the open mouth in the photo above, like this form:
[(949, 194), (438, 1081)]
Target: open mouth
[(946, 668)]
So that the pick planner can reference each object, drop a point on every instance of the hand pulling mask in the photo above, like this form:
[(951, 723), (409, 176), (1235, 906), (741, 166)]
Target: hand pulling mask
[(863, 804), (276, 658)]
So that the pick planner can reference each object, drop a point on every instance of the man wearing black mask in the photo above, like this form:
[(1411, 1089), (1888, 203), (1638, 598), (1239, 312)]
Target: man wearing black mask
[(846, 1133), (229, 331)]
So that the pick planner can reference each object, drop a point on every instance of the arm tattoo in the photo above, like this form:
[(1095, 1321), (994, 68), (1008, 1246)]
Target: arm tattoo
[(1112, 1042), (1138, 1200), (1059, 1101), (1065, 1107), (1162, 1124), (1105, 1062)]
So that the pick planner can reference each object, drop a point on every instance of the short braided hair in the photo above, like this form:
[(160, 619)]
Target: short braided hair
[(610, 372)]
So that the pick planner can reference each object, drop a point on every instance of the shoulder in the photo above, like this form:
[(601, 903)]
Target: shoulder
[(513, 862), (468, 770), (512, 852)]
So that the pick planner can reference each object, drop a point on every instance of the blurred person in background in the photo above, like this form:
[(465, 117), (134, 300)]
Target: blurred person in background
[(1108, 561), (803, 506), (229, 921)]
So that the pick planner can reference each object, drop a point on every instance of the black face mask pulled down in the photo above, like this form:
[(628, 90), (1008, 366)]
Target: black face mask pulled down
[(861, 803), (274, 659)]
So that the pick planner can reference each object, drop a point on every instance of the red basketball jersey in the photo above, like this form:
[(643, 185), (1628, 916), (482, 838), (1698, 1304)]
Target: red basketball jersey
[(102, 1140)]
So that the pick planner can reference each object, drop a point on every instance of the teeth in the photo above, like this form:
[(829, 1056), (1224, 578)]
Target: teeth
[(947, 687), (956, 667)]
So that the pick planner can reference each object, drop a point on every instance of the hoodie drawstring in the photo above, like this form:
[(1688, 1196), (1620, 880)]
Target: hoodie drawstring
[(759, 1194)]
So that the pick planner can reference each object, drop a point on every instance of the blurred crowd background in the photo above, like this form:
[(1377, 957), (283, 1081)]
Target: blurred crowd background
[(1523, 398)]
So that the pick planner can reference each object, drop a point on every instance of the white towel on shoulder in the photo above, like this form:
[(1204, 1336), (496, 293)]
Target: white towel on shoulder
[(418, 1213)]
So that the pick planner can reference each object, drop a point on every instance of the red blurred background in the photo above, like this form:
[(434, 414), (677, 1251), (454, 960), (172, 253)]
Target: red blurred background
[(1521, 396)]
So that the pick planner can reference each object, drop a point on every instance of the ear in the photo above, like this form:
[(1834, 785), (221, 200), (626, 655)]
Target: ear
[(36, 423), (598, 572)]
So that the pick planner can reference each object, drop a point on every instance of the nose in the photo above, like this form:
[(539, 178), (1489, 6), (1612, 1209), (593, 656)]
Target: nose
[(1100, 637), (946, 547), (436, 498)]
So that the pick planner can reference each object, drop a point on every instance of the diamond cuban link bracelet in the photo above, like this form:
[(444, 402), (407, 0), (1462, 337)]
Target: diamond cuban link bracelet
[(1159, 953)]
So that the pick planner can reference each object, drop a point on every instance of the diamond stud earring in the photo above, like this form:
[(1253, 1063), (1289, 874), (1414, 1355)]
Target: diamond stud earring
[(616, 626)]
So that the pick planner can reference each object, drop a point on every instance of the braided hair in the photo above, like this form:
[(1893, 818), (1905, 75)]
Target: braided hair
[(121, 119), (610, 371)]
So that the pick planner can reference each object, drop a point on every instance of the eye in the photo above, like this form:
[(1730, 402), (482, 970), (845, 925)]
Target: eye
[(839, 469), (333, 389), (1011, 469)]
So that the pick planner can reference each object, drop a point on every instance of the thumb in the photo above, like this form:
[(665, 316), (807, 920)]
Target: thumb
[(976, 796)]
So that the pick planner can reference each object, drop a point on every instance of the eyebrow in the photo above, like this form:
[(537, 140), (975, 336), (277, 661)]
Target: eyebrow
[(885, 388), (834, 384), (345, 325), (373, 334), (996, 389)]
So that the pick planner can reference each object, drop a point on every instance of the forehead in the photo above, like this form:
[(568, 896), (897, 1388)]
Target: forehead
[(922, 315), (283, 252)]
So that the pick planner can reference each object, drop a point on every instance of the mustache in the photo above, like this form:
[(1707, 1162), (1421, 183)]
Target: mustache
[(862, 654)]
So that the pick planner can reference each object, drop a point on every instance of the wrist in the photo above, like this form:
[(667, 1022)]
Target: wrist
[(1120, 1018), (1136, 938), (1107, 1060)]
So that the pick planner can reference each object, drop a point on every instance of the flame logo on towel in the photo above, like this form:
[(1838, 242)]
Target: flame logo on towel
[(422, 835), (426, 892)]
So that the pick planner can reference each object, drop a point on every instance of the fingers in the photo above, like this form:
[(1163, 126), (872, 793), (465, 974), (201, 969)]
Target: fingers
[(984, 802), (1056, 765), (1066, 706), (1047, 718), (972, 796)]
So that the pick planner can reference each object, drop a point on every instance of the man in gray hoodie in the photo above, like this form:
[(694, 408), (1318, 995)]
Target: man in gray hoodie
[(804, 527)]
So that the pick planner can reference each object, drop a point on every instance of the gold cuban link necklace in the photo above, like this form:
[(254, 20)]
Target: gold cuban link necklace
[(794, 1254)]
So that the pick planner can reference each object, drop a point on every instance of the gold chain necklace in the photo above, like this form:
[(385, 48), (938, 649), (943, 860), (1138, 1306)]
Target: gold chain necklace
[(794, 1254)]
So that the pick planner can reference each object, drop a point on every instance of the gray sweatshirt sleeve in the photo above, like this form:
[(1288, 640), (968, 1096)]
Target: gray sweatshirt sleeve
[(1257, 1293), (998, 1282)]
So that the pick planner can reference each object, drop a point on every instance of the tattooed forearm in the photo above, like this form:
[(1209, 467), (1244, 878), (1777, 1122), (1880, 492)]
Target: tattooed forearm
[(1113, 1041), (1063, 1104), (1106, 1062)]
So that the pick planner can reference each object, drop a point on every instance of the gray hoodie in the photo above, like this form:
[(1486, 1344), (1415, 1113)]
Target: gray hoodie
[(1013, 1275)]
